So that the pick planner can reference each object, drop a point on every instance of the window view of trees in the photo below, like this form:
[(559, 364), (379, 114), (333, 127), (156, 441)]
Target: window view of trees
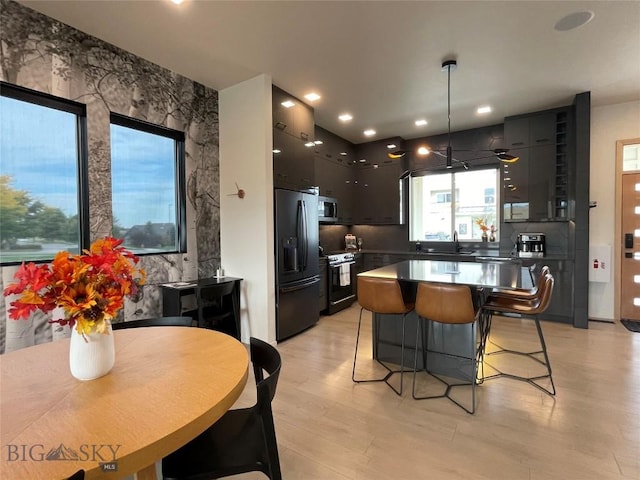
[(443, 202), (38, 181), (144, 183)]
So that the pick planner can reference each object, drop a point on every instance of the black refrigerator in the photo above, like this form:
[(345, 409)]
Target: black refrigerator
[(297, 270)]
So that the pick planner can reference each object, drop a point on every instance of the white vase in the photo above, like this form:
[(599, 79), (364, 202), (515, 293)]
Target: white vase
[(91, 358)]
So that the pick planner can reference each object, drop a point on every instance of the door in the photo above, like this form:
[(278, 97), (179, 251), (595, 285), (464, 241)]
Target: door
[(630, 261)]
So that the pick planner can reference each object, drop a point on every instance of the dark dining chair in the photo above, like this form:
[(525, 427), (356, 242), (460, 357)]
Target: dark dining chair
[(449, 305), (525, 306), (155, 322), (218, 308), (79, 475), (243, 440)]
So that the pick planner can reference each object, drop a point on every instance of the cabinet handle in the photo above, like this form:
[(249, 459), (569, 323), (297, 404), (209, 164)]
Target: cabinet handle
[(540, 140), (281, 126), (517, 143)]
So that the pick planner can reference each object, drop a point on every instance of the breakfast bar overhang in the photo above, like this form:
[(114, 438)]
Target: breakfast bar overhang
[(447, 344)]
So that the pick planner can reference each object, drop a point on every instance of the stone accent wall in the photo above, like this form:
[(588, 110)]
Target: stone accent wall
[(43, 54)]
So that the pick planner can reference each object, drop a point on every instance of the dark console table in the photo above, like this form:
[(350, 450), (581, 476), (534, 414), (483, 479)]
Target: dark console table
[(173, 293)]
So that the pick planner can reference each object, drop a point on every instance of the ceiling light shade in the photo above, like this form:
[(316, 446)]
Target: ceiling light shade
[(312, 97), (396, 155), (504, 157), (424, 151)]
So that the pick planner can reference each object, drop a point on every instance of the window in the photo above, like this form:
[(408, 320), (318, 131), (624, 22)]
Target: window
[(147, 186), (443, 202), (43, 198)]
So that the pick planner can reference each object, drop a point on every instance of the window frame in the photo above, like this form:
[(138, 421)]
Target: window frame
[(455, 191), (34, 97), (180, 183)]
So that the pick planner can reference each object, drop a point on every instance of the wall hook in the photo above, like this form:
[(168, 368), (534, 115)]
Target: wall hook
[(240, 193)]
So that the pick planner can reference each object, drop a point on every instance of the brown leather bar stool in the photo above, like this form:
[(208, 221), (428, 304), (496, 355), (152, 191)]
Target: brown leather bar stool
[(383, 296), (525, 305), (447, 304)]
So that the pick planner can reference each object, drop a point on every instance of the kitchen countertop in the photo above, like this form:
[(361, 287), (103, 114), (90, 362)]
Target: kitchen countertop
[(473, 254)]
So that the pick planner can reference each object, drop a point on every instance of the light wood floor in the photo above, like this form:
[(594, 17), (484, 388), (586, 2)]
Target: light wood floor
[(331, 428)]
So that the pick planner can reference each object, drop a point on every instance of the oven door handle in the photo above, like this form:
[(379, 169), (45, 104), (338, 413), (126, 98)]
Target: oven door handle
[(337, 265)]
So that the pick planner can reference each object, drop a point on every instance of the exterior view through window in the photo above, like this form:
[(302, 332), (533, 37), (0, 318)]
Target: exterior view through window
[(40, 171), (442, 203), (145, 166)]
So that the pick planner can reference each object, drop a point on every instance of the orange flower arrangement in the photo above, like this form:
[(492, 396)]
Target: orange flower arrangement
[(89, 287), (482, 223)]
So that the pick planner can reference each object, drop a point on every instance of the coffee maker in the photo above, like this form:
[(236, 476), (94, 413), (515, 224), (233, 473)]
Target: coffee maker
[(531, 245)]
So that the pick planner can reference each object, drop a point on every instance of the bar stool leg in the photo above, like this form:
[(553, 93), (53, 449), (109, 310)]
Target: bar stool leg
[(390, 372)]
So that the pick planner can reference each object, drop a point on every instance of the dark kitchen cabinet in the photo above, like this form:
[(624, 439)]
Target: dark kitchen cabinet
[(378, 198), (378, 191), (293, 132), (324, 283), (530, 130), (535, 188), (296, 120), (334, 173), (293, 163)]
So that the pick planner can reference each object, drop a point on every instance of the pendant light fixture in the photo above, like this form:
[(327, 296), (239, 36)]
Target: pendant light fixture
[(500, 153)]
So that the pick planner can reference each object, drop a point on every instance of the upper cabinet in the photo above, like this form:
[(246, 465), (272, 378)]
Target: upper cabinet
[(378, 189), (334, 174), (291, 115), (535, 187), (293, 147)]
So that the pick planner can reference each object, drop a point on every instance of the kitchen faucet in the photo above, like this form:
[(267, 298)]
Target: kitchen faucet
[(456, 243)]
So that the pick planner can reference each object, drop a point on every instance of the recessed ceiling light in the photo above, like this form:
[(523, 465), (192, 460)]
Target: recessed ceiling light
[(375, 165), (345, 117), (573, 20), (177, 2), (485, 109), (363, 160), (287, 104), (309, 144), (369, 133), (318, 142), (423, 151), (421, 123), (343, 153), (391, 146), (312, 97), (275, 150)]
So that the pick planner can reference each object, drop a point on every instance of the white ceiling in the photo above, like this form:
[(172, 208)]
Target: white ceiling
[(381, 61)]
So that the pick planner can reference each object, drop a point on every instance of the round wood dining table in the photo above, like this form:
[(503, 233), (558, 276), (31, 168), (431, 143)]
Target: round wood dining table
[(167, 386)]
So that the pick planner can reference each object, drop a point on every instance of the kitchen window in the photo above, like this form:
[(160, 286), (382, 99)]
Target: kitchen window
[(443, 202), (43, 196), (147, 186)]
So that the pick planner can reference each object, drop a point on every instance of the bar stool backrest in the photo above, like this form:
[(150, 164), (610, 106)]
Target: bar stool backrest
[(544, 295), (445, 303), (381, 295)]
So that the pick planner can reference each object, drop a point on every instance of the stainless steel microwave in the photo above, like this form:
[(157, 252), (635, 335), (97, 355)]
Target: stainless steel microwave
[(327, 210)]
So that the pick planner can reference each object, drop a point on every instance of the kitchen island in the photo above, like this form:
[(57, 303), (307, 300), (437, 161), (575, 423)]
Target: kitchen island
[(444, 340)]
